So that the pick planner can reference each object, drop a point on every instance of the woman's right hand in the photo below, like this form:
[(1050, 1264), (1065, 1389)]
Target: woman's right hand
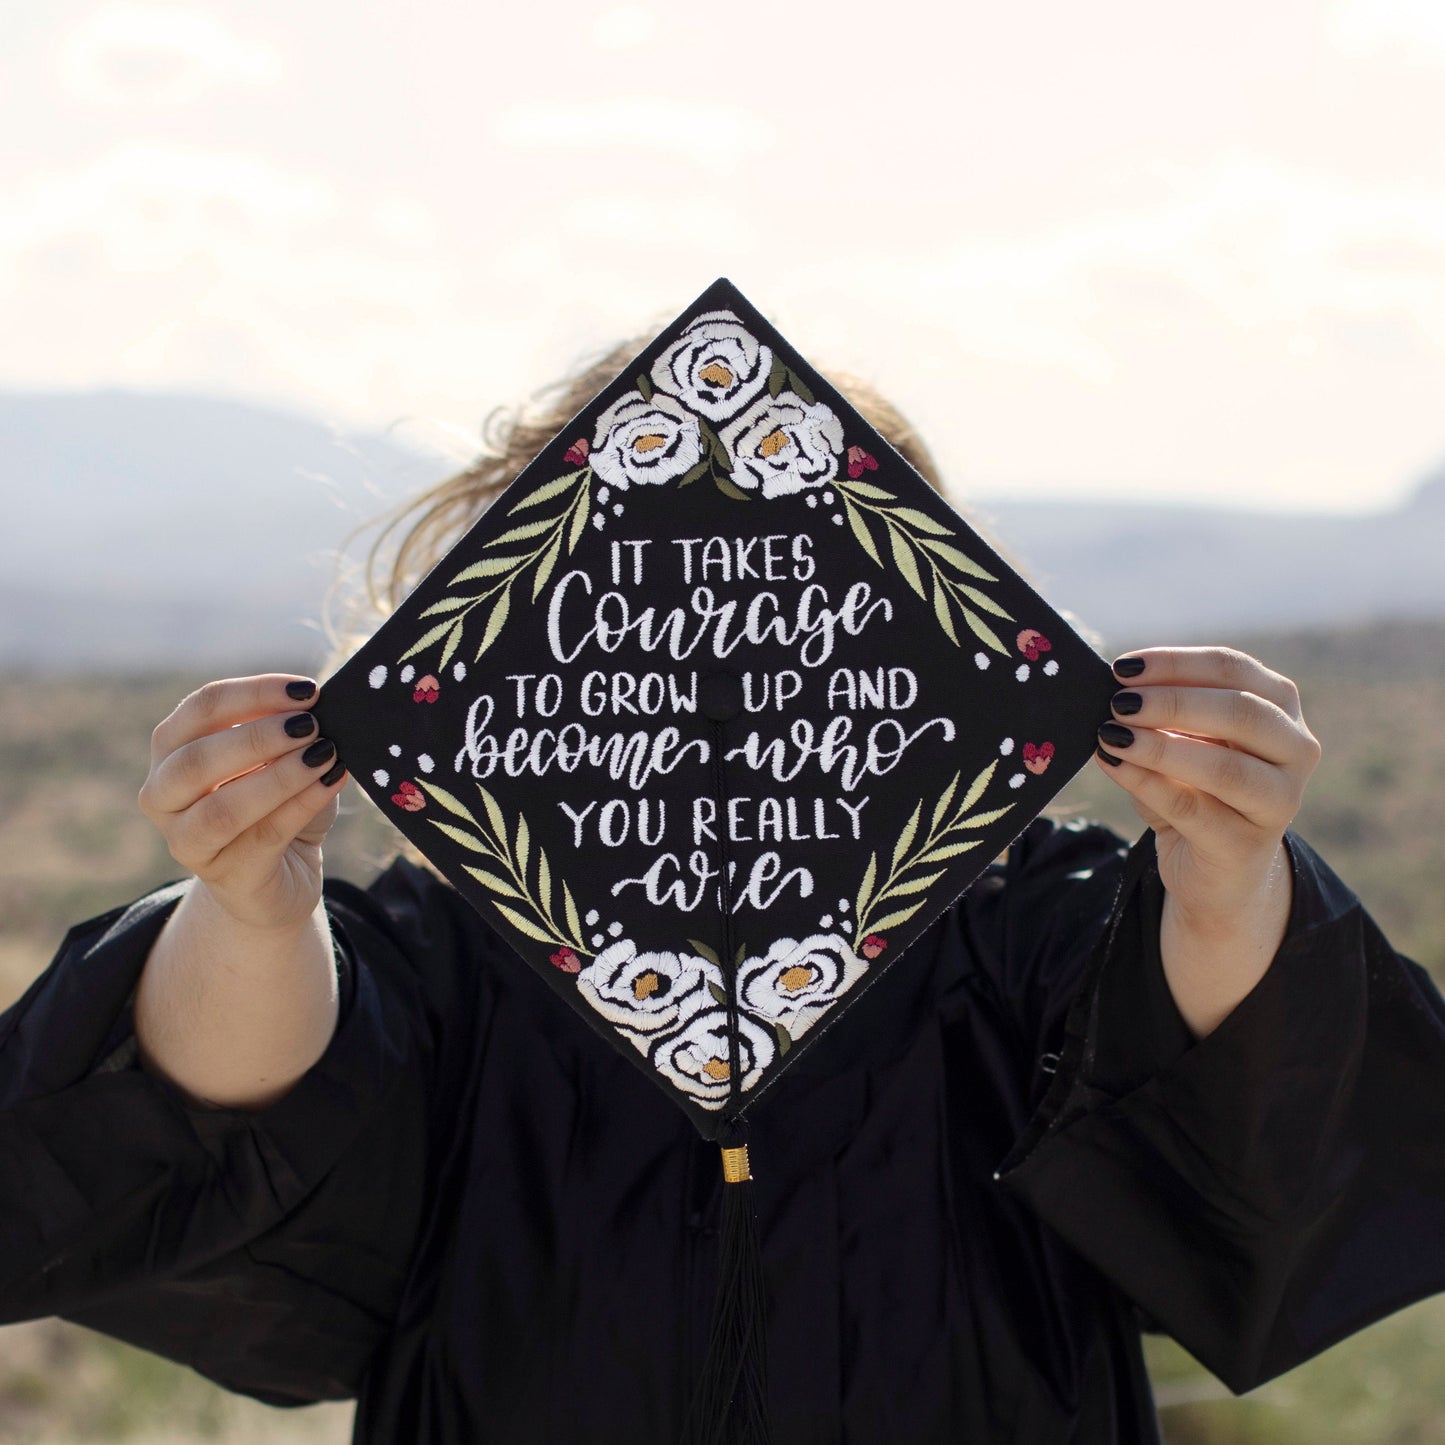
[(244, 790)]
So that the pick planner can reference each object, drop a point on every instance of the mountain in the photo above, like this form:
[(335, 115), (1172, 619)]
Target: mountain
[(160, 530)]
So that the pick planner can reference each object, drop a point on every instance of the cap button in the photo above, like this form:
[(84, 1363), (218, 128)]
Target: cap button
[(720, 696)]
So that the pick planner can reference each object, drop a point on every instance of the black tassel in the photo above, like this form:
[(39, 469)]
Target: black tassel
[(730, 1401)]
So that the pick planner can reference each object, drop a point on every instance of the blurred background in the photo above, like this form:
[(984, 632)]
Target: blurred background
[(1163, 287)]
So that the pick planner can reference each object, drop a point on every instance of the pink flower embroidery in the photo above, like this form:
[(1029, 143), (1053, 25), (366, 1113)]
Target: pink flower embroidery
[(427, 689), (1032, 642), (860, 461), (873, 945), (577, 452), (409, 797), (566, 960), (1037, 757)]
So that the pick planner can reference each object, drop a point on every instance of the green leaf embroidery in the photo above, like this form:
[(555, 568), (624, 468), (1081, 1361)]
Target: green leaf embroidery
[(703, 951), (495, 623), (941, 807), (544, 881), (941, 611), (728, 489), (800, 388), (458, 835), (579, 521), (906, 562), (977, 786), (491, 566), (548, 490), (916, 885), (905, 838), (865, 889), (491, 881), (946, 851), (866, 489), (984, 601), (448, 604), (426, 640), (921, 520), (719, 997), (452, 804), (545, 566), (697, 473), (524, 925), (881, 925), (574, 920), (516, 534), (785, 1040), (454, 638), (956, 559), (644, 385), (776, 378), (860, 530), (983, 631), (494, 814), (524, 844)]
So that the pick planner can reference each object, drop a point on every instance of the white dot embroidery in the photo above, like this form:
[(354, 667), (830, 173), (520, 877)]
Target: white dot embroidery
[(842, 905), (1051, 668), (1017, 781), (811, 500), (459, 670), (377, 675), (424, 762), (846, 926), (617, 509), (592, 916), (1006, 747), (381, 777), (826, 921), (598, 940), (407, 673), (828, 499), (837, 519), (599, 521), (981, 661), (1023, 673), (602, 495), (613, 929), (394, 750)]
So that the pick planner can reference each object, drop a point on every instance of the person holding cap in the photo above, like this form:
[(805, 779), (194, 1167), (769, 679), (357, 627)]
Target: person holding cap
[(323, 1142)]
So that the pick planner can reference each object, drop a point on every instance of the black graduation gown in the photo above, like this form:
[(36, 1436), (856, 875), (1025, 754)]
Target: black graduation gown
[(477, 1217)]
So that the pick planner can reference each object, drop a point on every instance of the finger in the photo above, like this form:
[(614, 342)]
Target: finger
[(225, 704), (1221, 667), (199, 834), (1254, 789), (201, 766), (1214, 714), (258, 847), (1160, 800)]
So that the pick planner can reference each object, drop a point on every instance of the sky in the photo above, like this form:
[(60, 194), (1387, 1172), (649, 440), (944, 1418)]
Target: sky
[(1121, 249)]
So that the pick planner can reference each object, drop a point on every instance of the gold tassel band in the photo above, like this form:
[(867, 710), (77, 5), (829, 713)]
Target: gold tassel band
[(736, 1169)]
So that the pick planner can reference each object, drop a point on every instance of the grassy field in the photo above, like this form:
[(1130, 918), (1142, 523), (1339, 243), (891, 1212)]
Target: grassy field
[(73, 752)]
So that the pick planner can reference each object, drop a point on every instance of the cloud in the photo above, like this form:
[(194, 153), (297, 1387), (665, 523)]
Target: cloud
[(719, 136), (157, 56)]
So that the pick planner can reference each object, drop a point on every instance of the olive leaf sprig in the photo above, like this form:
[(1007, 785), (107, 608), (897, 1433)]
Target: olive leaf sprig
[(514, 870), (915, 538), (910, 853), (539, 541)]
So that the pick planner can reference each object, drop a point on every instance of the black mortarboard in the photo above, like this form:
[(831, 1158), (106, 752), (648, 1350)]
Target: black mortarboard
[(715, 710)]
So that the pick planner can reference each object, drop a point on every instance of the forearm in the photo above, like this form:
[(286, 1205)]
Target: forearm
[(1212, 963), (234, 1014)]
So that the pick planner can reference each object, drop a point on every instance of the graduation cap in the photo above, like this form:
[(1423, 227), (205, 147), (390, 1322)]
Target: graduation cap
[(716, 708)]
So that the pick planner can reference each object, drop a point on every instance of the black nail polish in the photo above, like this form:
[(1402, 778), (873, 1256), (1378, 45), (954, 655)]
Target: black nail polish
[(333, 774), (1129, 667), (1126, 704), (323, 750), (1112, 733), (300, 691), (300, 726), (1109, 758)]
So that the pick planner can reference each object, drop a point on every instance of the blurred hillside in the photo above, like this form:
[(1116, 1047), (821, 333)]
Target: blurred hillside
[(73, 751), (167, 531)]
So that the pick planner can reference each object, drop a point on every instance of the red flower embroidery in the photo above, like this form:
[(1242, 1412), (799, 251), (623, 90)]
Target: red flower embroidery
[(409, 797), (1031, 643), (427, 689), (860, 461), (577, 452), (873, 945), (566, 960), (1037, 757)]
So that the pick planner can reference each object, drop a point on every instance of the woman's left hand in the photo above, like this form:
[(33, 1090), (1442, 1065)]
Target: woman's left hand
[(1213, 750)]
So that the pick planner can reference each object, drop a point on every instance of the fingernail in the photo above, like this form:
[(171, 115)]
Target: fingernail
[(333, 774), (1126, 704), (1112, 733), (300, 691), (300, 726), (323, 750), (1109, 758), (1129, 667)]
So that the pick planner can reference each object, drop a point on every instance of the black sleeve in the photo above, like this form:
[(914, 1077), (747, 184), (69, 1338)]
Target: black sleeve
[(1274, 1187), (266, 1249)]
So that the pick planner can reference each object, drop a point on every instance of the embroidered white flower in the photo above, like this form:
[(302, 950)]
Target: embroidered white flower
[(716, 366), (646, 993), (645, 442), (696, 1058), (783, 445), (797, 981)]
